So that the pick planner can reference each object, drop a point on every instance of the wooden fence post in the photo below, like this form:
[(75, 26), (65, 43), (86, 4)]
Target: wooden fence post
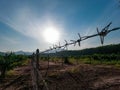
[(37, 58), (37, 67), (34, 73)]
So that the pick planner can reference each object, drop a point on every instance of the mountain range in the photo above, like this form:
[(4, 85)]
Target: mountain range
[(18, 53)]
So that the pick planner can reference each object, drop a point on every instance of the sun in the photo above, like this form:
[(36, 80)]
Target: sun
[(51, 34)]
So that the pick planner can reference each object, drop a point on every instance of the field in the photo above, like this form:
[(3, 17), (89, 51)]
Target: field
[(65, 77)]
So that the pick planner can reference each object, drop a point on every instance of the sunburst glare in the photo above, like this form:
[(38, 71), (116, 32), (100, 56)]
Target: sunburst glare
[(51, 34)]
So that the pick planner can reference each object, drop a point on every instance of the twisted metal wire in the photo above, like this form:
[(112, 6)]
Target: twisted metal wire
[(101, 33)]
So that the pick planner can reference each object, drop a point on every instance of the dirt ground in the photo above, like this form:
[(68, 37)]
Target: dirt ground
[(66, 77)]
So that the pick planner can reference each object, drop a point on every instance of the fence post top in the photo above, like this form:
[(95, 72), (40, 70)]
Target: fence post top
[(33, 54), (37, 51)]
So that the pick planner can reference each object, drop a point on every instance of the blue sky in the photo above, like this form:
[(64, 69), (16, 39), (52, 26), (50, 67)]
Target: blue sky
[(22, 22)]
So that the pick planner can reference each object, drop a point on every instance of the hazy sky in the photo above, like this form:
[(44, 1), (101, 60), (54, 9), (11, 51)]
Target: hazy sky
[(22, 22)]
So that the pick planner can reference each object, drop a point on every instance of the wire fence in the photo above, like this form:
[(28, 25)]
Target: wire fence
[(39, 81)]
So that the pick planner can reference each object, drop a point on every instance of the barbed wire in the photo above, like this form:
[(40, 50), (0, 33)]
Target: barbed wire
[(101, 33)]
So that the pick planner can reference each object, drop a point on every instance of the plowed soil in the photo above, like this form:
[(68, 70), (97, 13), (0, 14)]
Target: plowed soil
[(66, 77)]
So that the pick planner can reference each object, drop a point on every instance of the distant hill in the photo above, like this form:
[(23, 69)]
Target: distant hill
[(1, 53), (18, 53), (108, 49), (23, 53)]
